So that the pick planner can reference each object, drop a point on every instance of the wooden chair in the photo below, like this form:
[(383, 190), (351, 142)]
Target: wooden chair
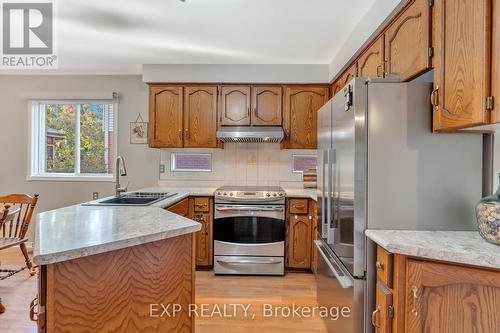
[(15, 226)]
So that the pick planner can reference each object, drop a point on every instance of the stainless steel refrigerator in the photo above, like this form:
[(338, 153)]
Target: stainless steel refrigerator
[(381, 167)]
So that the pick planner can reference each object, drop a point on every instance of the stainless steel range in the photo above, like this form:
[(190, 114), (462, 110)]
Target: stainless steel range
[(249, 230)]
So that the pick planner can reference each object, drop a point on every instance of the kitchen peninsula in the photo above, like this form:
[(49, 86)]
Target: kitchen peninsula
[(101, 268)]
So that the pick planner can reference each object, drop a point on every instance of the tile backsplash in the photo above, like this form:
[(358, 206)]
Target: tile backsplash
[(238, 164)]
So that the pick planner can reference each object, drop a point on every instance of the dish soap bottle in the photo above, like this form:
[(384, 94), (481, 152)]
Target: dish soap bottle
[(488, 217)]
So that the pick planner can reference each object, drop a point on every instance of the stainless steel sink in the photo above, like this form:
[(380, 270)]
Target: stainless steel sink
[(133, 199)]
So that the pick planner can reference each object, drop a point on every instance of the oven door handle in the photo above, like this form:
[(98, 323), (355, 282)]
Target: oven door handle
[(344, 278), (250, 262), (248, 209)]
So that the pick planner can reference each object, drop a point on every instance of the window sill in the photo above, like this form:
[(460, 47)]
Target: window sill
[(70, 178)]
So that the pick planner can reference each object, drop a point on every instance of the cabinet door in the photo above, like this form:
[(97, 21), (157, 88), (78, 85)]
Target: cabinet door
[(299, 242), (300, 118), (451, 299), (349, 74), (370, 62), (336, 87), (407, 42), (495, 62), (180, 208), (200, 117), (461, 63), (235, 105), (203, 240), (165, 117), (266, 104), (382, 315)]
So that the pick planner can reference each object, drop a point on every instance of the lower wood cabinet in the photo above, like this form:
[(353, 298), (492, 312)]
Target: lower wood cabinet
[(299, 234), (429, 296), (199, 209)]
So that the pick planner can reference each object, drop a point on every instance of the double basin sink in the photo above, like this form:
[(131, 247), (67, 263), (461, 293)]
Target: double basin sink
[(133, 199)]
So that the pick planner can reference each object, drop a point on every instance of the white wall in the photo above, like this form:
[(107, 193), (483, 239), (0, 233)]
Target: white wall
[(363, 30), (239, 164), (142, 162)]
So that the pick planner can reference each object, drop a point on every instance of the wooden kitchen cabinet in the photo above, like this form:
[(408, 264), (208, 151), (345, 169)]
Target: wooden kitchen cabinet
[(200, 210), (235, 105), (451, 298), (300, 115), (343, 80), (267, 105), (433, 296), (382, 315), (300, 234), (299, 246), (407, 42), (462, 49), (200, 116), (165, 116), (180, 208), (370, 63)]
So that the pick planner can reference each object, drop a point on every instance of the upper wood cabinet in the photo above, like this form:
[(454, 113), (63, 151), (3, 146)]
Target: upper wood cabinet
[(235, 105), (165, 117), (407, 42), (370, 63), (256, 105), (266, 105), (300, 116), (450, 298), (349, 74), (200, 116), (461, 64)]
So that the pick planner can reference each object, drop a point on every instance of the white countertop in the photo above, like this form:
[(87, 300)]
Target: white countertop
[(462, 247), (78, 231), (309, 193)]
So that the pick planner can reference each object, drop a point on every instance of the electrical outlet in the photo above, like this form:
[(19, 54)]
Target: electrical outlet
[(95, 195), (162, 168)]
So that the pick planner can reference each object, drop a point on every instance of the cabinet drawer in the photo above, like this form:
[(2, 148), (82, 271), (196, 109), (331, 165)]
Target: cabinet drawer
[(180, 208), (384, 266), (201, 205), (298, 206)]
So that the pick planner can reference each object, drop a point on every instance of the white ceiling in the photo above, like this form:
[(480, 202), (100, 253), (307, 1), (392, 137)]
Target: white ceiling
[(117, 36)]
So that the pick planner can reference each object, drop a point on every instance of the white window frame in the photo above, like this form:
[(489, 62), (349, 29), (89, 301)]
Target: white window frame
[(172, 162), (300, 155), (36, 140)]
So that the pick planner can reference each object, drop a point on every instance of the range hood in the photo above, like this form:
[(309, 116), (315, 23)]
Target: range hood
[(250, 134)]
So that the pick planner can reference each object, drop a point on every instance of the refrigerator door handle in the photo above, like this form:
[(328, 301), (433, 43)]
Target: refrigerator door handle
[(344, 278), (326, 193)]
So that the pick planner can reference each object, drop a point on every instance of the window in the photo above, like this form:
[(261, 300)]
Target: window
[(191, 162), (71, 139), (304, 162)]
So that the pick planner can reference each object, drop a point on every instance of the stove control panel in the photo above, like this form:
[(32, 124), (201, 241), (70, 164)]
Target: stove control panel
[(250, 195)]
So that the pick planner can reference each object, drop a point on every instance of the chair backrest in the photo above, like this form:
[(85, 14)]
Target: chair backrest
[(18, 226)]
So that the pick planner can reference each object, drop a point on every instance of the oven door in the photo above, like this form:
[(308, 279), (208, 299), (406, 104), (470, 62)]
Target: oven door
[(252, 230)]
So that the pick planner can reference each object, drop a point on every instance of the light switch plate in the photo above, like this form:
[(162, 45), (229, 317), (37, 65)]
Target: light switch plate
[(162, 168), (95, 195)]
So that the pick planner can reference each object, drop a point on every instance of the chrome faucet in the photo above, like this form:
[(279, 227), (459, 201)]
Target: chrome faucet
[(120, 170)]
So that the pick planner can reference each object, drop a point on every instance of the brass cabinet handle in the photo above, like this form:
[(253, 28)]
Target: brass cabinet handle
[(379, 265), (434, 98), (201, 205), (414, 290), (375, 318), (248, 111), (180, 134), (380, 71), (186, 133), (34, 309), (298, 206), (206, 229)]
